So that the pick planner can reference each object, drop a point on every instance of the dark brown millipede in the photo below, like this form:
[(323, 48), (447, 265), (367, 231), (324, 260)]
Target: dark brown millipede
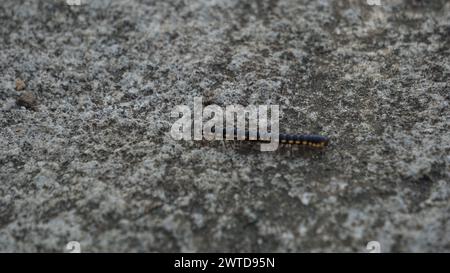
[(316, 141)]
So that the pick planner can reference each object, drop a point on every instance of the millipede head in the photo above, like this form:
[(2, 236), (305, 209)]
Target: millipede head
[(326, 141)]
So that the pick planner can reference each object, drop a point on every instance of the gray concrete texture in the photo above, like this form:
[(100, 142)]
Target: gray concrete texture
[(86, 155)]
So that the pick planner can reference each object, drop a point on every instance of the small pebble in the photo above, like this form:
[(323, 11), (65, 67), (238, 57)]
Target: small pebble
[(28, 100), (20, 85)]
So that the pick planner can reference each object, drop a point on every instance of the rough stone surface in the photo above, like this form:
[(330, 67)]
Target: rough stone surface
[(95, 162)]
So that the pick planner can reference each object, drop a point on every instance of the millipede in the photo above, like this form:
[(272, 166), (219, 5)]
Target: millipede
[(315, 141)]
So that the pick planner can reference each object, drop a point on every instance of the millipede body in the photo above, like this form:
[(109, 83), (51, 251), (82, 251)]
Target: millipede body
[(316, 141)]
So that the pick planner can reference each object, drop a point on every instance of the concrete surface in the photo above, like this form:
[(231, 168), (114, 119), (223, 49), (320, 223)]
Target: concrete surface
[(86, 94)]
